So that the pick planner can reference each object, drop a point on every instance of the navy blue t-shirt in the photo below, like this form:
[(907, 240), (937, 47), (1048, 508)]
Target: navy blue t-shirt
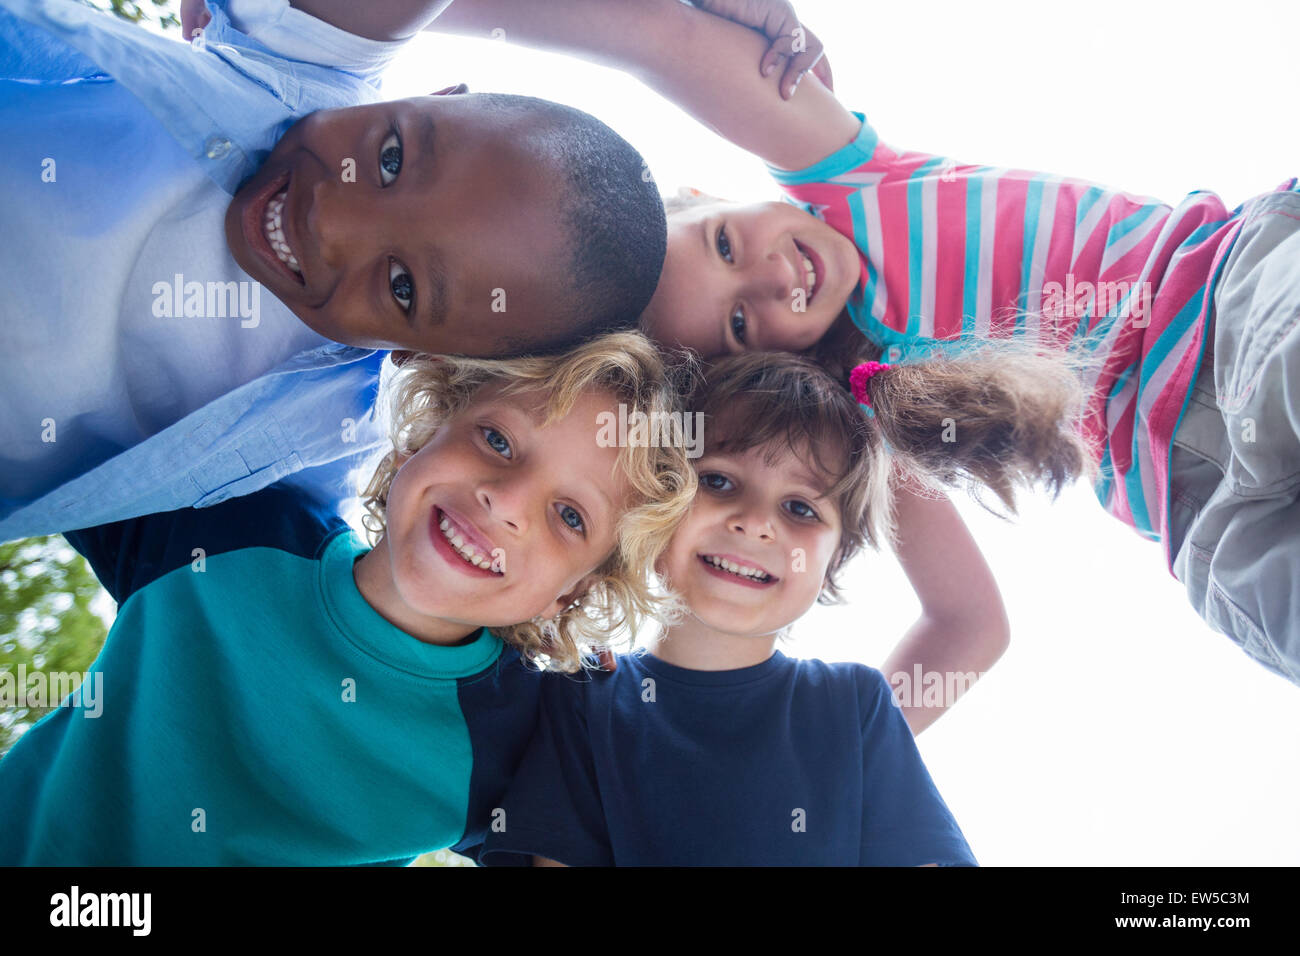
[(789, 762)]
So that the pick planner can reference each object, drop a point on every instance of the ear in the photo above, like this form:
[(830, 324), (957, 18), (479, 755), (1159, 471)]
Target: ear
[(456, 90)]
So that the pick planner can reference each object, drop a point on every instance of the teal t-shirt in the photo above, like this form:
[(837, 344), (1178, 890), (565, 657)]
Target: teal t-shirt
[(254, 709)]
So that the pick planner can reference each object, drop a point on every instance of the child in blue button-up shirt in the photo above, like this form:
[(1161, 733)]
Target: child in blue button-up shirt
[(200, 226)]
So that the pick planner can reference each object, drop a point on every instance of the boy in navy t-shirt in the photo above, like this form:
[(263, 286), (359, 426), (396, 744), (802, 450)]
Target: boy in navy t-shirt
[(714, 748)]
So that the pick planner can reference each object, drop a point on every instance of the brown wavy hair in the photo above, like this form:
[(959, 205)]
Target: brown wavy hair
[(428, 390), (997, 414), (782, 401)]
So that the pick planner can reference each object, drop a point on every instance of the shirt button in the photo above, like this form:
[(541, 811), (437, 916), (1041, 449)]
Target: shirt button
[(216, 147), (894, 353)]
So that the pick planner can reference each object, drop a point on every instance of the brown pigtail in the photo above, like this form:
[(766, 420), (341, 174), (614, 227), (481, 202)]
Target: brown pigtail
[(997, 413)]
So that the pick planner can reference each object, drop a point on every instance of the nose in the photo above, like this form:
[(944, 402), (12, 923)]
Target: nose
[(771, 277), (752, 521), (342, 220), (509, 502)]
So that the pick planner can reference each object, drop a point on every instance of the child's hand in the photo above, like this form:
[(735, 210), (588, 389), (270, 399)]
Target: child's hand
[(194, 16), (791, 42)]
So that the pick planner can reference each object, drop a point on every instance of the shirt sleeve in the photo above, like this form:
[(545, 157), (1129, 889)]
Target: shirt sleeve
[(951, 249), (296, 35), (128, 555), (904, 820), (553, 807)]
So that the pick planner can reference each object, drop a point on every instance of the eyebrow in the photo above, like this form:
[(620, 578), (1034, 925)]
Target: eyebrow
[(437, 309), (820, 486), (609, 504), (723, 348), (438, 295)]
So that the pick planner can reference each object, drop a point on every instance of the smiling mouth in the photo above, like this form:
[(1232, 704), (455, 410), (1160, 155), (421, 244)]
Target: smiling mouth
[(467, 550), (745, 572), (273, 229), (809, 271)]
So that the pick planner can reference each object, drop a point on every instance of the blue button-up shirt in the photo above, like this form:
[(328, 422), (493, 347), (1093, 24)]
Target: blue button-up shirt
[(226, 104)]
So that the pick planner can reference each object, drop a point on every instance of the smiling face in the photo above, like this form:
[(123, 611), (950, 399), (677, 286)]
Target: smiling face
[(402, 225), (736, 277), (497, 519), (752, 555)]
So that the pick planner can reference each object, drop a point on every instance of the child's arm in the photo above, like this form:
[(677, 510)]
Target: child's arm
[(963, 626), (705, 64)]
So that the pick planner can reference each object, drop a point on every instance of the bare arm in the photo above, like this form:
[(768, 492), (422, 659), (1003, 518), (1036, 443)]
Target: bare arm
[(963, 627), (705, 64), (543, 861)]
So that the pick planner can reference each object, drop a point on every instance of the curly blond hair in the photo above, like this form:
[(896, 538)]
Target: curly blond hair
[(429, 390)]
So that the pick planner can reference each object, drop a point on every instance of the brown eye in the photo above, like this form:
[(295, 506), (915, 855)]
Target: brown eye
[(714, 481), (399, 282), (390, 158)]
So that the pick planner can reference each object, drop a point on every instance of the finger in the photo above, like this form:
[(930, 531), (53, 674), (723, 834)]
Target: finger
[(771, 59), (794, 72), (823, 72), (194, 16)]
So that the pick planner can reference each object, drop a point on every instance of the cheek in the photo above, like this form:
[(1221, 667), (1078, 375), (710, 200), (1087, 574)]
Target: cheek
[(818, 548), (850, 262), (825, 555), (673, 564)]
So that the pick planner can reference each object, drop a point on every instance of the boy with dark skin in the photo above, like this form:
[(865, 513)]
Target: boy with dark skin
[(477, 224), (451, 201)]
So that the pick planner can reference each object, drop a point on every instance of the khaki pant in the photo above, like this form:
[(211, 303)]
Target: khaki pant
[(1235, 517)]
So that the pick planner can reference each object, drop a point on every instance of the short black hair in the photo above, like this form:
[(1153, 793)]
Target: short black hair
[(613, 213)]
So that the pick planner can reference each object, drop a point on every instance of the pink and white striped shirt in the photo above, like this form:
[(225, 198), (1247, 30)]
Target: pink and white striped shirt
[(952, 252)]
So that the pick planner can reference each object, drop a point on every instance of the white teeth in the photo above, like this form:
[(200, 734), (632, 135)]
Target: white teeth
[(465, 549), (810, 273), (741, 570), (273, 227)]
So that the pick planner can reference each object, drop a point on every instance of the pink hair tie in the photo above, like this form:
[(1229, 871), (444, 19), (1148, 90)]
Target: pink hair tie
[(859, 377)]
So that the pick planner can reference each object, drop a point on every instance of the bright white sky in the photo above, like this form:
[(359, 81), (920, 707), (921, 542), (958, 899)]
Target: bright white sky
[(1118, 729)]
